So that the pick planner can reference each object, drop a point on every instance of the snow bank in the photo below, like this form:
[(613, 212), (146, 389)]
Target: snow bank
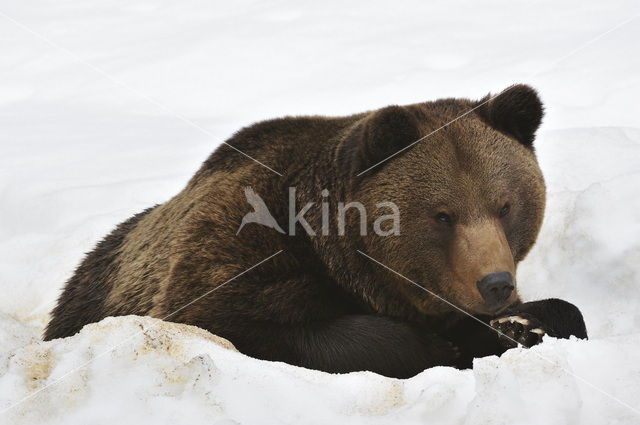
[(148, 371), (81, 152)]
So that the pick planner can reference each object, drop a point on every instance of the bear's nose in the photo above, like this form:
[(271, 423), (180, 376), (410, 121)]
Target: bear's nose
[(495, 288)]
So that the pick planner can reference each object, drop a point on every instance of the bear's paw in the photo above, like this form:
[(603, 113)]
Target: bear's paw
[(521, 328)]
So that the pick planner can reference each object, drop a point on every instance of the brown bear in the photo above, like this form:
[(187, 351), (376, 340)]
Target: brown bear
[(403, 256)]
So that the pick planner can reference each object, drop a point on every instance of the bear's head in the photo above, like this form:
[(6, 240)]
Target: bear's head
[(471, 197)]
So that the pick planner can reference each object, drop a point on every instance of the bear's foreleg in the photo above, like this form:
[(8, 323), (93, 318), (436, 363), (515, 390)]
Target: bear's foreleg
[(522, 323), (352, 343)]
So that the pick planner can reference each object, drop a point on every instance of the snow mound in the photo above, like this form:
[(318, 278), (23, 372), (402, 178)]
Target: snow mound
[(144, 370)]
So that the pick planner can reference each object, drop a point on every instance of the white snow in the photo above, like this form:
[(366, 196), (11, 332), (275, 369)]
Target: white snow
[(91, 132)]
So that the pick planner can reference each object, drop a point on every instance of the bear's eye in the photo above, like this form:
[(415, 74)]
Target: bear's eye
[(504, 210), (444, 218)]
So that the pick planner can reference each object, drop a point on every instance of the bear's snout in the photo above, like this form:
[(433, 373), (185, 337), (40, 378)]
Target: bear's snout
[(482, 263), (496, 288)]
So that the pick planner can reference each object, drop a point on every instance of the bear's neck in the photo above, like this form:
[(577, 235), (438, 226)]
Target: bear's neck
[(327, 181)]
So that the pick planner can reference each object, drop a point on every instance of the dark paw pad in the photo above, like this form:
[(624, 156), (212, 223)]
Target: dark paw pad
[(518, 329)]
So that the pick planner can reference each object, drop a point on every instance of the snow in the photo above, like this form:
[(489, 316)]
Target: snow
[(123, 101), (149, 371)]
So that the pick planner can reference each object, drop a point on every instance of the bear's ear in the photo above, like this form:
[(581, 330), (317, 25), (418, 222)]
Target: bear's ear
[(517, 112), (384, 133)]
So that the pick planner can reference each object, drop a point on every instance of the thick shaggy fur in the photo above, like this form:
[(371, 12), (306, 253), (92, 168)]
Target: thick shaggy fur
[(320, 303)]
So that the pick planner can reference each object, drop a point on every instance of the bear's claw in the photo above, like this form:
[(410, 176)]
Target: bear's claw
[(518, 329)]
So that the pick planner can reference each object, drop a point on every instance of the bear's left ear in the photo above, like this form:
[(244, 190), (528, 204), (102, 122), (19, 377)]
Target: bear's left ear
[(517, 112), (384, 133)]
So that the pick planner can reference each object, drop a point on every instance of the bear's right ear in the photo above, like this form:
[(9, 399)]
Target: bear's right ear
[(384, 133), (517, 111)]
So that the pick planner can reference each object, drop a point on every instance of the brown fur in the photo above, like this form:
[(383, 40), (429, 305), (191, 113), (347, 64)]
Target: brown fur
[(170, 255)]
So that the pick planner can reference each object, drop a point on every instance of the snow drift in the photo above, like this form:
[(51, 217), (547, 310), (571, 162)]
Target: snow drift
[(148, 371)]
